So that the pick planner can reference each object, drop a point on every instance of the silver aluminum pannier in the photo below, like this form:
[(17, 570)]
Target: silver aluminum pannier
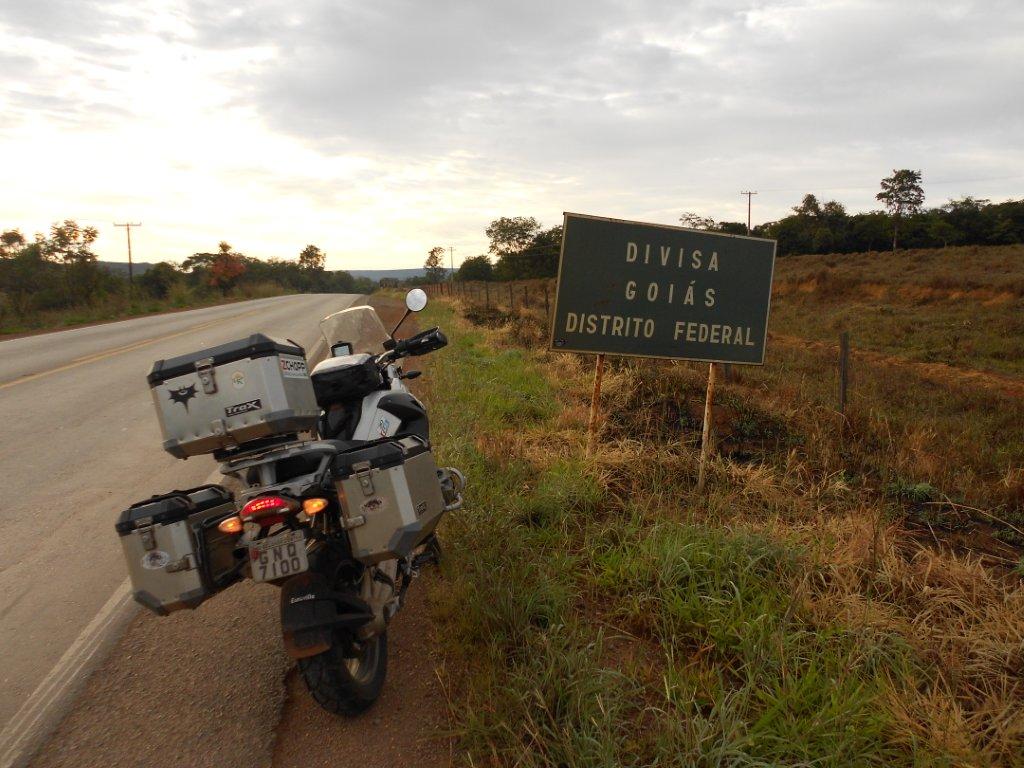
[(176, 556), (220, 398), (390, 496)]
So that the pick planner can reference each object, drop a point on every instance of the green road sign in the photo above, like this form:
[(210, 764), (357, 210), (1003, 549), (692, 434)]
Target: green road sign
[(649, 290)]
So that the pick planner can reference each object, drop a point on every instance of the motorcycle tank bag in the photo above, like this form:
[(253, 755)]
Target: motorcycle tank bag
[(390, 497), (223, 397), (176, 556), (345, 378)]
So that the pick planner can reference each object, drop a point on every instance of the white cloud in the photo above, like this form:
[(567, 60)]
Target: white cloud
[(378, 130)]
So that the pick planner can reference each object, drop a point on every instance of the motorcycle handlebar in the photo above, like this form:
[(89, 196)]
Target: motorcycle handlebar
[(422, 343)]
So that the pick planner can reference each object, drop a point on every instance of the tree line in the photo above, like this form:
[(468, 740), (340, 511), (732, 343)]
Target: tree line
[(816, 226), (520, 248), (59, 270)]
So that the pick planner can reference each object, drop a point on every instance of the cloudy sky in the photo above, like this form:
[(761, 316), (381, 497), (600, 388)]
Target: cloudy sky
[(378, 129)]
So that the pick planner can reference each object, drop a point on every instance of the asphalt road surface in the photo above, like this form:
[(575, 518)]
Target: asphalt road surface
[(80, 442)]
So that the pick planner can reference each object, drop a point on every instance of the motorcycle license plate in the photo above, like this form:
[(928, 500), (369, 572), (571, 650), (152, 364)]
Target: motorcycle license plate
[(278, 556)]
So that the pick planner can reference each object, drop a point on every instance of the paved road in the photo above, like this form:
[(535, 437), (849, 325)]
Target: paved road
[(213, 688), (80, 442)]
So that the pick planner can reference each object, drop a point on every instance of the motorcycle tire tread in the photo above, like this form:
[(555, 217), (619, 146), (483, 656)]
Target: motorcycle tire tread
[(334, 689)]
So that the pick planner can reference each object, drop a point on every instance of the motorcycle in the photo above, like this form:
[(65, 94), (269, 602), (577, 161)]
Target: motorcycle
[(341, 521)]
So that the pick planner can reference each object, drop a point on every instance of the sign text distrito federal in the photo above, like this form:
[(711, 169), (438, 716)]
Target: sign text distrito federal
[(641, 289)]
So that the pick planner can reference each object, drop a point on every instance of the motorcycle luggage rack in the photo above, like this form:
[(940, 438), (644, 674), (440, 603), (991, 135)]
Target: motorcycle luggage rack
[(264, 461), (255, 447)]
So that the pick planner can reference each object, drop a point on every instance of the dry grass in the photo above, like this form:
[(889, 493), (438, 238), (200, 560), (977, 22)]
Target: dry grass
[(920, 630), (960, 307)]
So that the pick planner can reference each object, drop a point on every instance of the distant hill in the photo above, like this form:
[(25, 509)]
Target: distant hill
[(394, 274), (121, 267), (140, 267)]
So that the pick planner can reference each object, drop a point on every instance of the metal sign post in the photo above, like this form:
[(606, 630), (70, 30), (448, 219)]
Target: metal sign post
[(705, 435), (595, 404)]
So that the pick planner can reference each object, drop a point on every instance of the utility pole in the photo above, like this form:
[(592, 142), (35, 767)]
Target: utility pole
[(749, 196), (451, 255), (128, 231)]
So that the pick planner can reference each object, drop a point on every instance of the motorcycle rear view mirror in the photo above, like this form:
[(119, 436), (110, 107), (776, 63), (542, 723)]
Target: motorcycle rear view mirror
[(415, 301)]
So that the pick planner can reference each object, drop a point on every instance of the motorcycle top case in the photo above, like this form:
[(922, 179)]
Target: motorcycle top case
[(176, 557), (390, 496), (223, 397)]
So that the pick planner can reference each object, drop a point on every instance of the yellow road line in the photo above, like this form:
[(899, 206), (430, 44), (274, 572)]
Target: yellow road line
[(121, 350)]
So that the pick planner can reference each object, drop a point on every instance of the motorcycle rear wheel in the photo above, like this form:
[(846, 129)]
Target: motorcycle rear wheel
[(347, 686)]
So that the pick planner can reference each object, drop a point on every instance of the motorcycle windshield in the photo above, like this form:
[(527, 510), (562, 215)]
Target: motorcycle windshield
[(359, 326)]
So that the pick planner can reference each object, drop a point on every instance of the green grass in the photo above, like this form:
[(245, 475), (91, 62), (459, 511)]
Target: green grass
[(591, 627)]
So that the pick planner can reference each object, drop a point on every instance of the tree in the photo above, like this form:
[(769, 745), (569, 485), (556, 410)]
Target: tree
[(312, 258), (435, 265), (696, 221), (902, 195), (221, 270), (69, 243), (866, 231), (476, 268), (537, 258), (11, 242), (226, 271), (198, 262), (25, 276), (158, 280), (939, 230), (967, 216), (809, 206), (833, 212), (732, 227), (511, 235)]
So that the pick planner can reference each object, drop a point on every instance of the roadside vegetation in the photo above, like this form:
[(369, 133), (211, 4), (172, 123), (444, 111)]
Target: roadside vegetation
[(55, 280), (521, 248), (845, 592)]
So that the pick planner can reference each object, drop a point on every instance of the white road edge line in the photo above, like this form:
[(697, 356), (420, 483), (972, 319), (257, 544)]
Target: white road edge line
[(42, 710), (53, 698)]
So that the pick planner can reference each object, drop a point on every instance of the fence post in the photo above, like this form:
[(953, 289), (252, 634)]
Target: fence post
[(844, 369), (547, 312), (511, 299), (487, 295)]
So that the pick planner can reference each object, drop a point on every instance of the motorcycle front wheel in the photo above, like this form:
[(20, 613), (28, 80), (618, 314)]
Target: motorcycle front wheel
[(347, 685)]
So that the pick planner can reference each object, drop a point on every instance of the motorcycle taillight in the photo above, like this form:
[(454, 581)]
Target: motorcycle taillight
[(267, 510)]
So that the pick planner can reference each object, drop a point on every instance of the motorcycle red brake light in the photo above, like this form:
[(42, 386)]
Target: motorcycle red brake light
[(265, 505)]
